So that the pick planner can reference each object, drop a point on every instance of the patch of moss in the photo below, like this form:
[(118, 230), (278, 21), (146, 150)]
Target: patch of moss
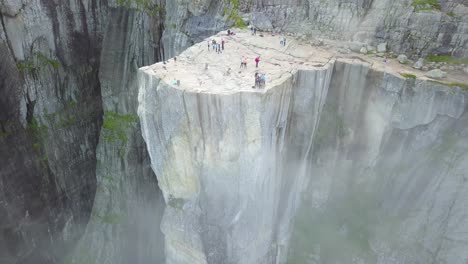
[(451, 13), (107, 218), (114, 128), (232, 13), (146, 6), (425, 5), (463, 86), (4, 135), (447, 59), (408, 75), (36, 62), (177, 203)]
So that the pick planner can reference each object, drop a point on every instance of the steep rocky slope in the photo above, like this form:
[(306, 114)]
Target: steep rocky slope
[(377, 160), (72, 159), (67, 74)]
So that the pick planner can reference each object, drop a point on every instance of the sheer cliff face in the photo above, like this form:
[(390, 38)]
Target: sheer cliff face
[(63, 64), (406, 28), (384, 160)]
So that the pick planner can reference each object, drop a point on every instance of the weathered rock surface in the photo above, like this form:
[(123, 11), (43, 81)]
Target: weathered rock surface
[(376, 160), (382, 48), (63, 64), (436, 74), (419, 64), (67, 67), (405, 28), (403, 59)]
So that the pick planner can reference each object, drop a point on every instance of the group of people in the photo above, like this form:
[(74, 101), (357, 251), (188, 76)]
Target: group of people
[(218, 47), (260, 80), (244, 62), (253, 30), (283, 41)]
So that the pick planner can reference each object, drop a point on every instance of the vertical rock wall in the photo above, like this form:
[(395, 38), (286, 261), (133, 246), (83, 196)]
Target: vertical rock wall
[(231, 166), (67, 83), (383, 159)]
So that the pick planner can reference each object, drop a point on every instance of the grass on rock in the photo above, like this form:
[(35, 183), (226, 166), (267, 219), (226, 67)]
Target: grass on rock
[(408, 75), (447, 59)]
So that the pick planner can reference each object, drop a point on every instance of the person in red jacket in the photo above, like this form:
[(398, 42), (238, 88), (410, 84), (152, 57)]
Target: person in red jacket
[(257, 60)]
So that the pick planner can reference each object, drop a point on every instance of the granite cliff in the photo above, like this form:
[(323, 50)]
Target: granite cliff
[(339, 154), (332, 162)]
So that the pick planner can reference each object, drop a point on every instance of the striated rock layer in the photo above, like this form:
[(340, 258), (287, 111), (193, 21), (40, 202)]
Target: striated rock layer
[(334, 164)]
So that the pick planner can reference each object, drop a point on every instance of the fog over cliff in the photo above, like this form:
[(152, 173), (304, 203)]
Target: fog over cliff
[(340, 158)]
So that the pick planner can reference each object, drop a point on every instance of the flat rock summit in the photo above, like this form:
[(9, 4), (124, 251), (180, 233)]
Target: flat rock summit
[(202, 69)]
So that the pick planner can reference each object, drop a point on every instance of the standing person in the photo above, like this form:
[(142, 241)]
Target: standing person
[(257, 60), (242, 63), (209, 45), (245, 63), (284, 41), (222, 44), (251, 29), (255, 31), (256, 80), (281, 40), (263, 79), (219, 48), (385, 60)]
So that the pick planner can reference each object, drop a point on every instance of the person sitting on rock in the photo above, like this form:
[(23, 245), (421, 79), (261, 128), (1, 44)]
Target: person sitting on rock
[(229, 32)]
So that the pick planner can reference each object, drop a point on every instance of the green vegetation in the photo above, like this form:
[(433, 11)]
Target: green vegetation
[(463, 86), (4, 135), (451, 13), (177, 203), (408, 75), (145, 6), (37, 133), (447, 59), (425, 5), (37, 61), (232, 13), (108, 218), (114, 128)]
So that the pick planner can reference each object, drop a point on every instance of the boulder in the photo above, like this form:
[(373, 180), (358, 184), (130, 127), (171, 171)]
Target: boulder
[(436, 74), (465, 70), (402, 59), (370, 48), (382, 48), (356, 46), (419, 64), (363, 50)]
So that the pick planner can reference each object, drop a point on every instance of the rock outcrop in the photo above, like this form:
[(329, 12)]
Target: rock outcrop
[(71, 150), (406, 26), (329, 162)]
